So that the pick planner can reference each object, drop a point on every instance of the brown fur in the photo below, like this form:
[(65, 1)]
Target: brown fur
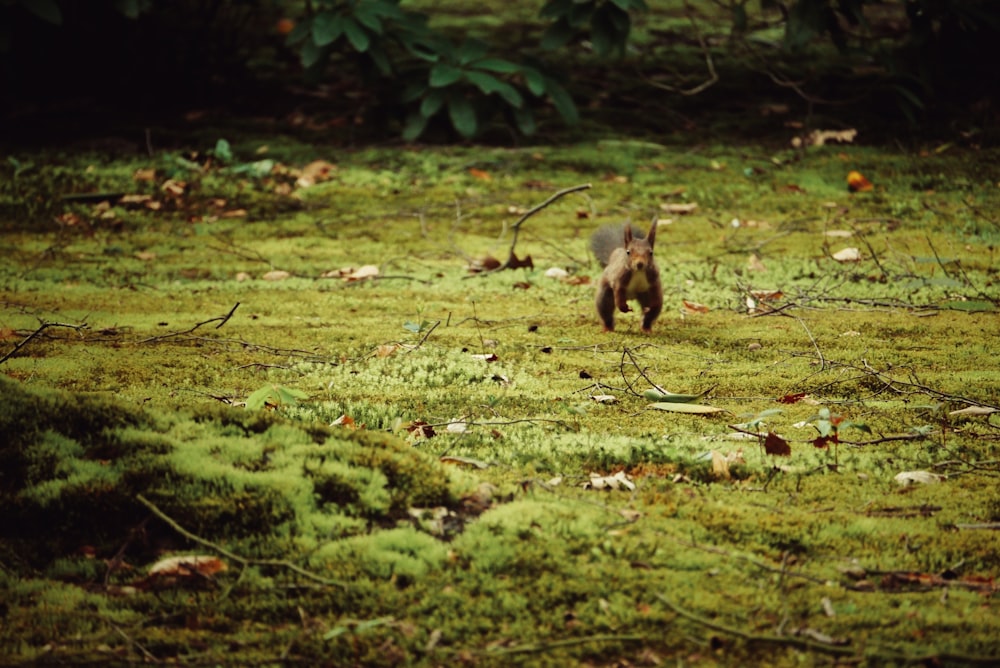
[(630, 273)]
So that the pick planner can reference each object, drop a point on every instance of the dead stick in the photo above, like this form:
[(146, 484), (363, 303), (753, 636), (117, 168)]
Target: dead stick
[(36, 333), (232, 555), (517, 226)]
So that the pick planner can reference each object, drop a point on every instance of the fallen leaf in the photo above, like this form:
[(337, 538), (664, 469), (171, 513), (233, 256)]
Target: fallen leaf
[(847, 255), (276, 275), (754, 263), (344, 421), (839, 234), (173, 187), (776, 445), (187, 566), (695, 307), (486, 357), (362, 273), (148, 174), (912, 477), (974, 410), (556, 272), (679, 209), (480, 174), (857, 183), (315, 172), (685, 408), (720, 465), (604, 398), (617, 481)]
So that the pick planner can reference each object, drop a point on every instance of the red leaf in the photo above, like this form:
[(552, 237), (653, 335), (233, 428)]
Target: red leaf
[(792, 398), (823, 442), (775, 445)]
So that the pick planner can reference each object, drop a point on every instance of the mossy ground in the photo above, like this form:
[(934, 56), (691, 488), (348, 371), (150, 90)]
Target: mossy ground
[(450, 524)]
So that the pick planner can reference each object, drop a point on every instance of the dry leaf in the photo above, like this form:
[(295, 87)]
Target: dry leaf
[(315, 172), (839, 234), (486, 357), (234, 213), (457, 427), (754, 263), (604, 398), (847, 255), (857, 183), (912, 477), (720, 465), (361, 273), (386, 349), (694, 307), (173, 187), (148, 174), (679, 209), (276, 275), (480, 174), (823, 137), (488, 263), (187, 566), (344, 421), (974, 410), (616, 481), (145, 255), (556, 272), (776, 445)]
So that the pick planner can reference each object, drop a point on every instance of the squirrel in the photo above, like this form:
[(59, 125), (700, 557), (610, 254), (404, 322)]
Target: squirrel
[(630, 272)]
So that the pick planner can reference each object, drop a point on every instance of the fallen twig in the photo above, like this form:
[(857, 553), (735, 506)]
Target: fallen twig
[(35, 333), (512, 259), (232, 555), (222, 321)]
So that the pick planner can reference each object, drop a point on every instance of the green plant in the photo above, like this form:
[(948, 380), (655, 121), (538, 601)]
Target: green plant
[(609, 22), (470, 86)]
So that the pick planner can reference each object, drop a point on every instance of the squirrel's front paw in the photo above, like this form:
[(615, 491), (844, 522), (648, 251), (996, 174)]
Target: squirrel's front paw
[(624, 308)]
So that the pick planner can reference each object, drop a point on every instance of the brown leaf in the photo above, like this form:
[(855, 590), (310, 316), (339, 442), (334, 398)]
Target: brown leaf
[(480, 174), (792, 398), (187, 566), (695, 307), (775, 445), (823, 442)]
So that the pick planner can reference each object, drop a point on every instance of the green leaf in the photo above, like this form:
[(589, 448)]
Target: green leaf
[(414, 91), (739, 19), (310, 54), (356, 35), (535, 81), (463, 116), (525, 120), (555, 9), (672, 398), (497, 65), (603, 36), (970, 307), (472, 49), (223, 151), (557, 35), (414, 126), (327, 28), (257, 169), (47, 10), (301, 30), (443, 74), (562, 101), (490, 84), (368, 15), (133, 8), (381, 60), (432, 103), (686, 408)]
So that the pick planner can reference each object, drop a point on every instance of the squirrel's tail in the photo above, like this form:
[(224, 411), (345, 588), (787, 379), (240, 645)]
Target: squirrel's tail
[(609, 237)]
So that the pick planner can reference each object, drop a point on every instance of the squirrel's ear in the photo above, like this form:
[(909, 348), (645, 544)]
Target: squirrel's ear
[(628, 233), (651, 237)]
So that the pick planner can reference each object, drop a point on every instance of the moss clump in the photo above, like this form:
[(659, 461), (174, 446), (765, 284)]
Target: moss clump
[(74, 465)]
